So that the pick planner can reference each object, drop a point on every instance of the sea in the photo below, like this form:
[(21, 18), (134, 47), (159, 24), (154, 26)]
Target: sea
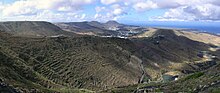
[(209, 27)]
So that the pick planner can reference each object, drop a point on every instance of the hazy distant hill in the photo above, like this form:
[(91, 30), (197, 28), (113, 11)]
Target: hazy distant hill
[(96, 24), (112, 25), (30, 28), (87, 28), (110, 28)]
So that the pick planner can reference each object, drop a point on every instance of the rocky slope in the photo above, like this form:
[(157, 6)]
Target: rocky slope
[(83, 62), (172, 54), (74, 64), (207, 81)]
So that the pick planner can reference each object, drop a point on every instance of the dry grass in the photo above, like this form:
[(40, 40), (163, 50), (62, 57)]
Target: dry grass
[(201, 37)]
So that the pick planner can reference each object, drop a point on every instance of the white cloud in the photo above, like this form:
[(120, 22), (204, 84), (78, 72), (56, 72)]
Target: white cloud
[(178, 10), (107, 2), (83, 16), (113, 12), (19, 8), (45, 10), (165, 4), (1, 6), (48, 16), (215, 2), (143, 6), (118, 11), (203, 12), (64, 8), (100, 9), (55, 4)]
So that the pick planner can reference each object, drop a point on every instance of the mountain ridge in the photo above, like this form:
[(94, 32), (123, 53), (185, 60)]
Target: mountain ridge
[(32, 29)]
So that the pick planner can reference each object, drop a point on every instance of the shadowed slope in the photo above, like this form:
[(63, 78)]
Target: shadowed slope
[(30, 28), (165, 51), (84, 62), (53, 63)]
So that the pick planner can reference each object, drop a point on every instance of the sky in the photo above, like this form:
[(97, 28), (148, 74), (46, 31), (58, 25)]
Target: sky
[(125, 11)]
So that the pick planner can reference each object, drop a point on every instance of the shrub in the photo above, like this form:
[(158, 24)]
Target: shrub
[(195, 75)]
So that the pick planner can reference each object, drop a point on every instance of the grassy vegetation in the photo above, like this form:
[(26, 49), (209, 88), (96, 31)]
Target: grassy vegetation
[(69, 63), (193, 83), (69, 90), (214, 90), (194, 75), (74, 64), (125, 89)]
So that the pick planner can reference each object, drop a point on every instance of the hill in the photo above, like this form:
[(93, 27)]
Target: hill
[(167, 52), (75, 64), (110, 28), (170, 54), (48, 64), (30, 28), (203, 37), (86, 28), (207, 81)]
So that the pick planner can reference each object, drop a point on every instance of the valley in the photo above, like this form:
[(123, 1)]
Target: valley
[(109, 57)]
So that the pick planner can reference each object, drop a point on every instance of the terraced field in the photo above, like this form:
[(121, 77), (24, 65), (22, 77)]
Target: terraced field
[(75, 64)]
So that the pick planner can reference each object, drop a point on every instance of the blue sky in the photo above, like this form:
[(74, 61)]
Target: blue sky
[(204, 12)]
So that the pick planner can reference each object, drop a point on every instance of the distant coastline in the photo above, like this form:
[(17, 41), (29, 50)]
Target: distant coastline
[(204, 29), (187, 29)]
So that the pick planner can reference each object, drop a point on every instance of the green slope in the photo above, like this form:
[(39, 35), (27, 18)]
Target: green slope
[(51, 63), (73, 64)]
